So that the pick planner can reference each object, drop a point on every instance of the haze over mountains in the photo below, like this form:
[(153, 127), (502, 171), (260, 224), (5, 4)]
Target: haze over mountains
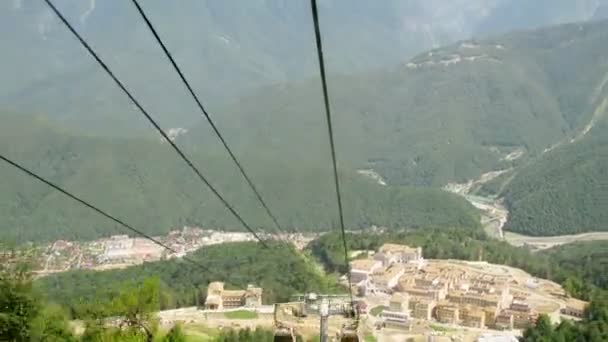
[(228, 48), (532, 102)]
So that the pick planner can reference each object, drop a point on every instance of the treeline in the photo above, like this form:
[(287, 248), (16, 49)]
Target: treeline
[(127, 312), (25, 316), (147, 185), (279, 270), (580, 267)]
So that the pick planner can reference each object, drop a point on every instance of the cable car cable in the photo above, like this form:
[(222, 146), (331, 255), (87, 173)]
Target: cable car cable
[(94, 208), (153, 122), (206, 114), (315, 16)]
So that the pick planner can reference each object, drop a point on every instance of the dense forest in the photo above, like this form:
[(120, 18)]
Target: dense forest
[(565, 191), (447, 115), (143, 182), (279, 270)]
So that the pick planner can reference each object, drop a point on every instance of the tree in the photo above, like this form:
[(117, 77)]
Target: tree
[(137, 306), (175, 334), (18, 305), (23, 316), (51, 325)]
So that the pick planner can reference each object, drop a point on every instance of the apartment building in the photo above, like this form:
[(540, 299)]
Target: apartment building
[(388, 280), (398, 311), (575, 307), (362, 269), (391, 253), (475, 298), (422, 308), (447, 312), (472, 316), (218, 298)]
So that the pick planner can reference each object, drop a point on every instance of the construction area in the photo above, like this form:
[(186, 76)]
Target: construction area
[(400, 296)]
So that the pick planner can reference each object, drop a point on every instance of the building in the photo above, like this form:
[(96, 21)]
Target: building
[(490, 313), (422, 308), (362, 269), (494, 337), (504, 320), (389, 279), (391, 253), (515, 319), (475, 298), (522, 320), (472, 316), (399, 302), (446, 312), (575, 307), (398, 310), (218, 298)]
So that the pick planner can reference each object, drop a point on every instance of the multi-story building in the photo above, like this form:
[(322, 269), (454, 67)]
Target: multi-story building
[(519, 315), (472, 316), (391, 253), (398, 310), (490, 313), (504, 320), (474, 298), (523, 320), (389, 279), (362, 269), (218, 298), (447, 312), (422, 308), (575, 307)]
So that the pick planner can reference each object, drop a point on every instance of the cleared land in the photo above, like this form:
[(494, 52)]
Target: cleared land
[(544, 242), (241, 314)]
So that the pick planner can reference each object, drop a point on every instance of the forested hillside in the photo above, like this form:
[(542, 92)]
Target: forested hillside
[(565, 191), (226, 48), (446, 115), (143, 182)]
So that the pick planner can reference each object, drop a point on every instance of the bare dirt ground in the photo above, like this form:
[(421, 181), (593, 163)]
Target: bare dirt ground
[(544, 242)]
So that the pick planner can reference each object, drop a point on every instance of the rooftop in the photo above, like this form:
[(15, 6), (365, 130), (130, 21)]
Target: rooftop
[(399, 297), (364, 264), (233, 293), (577, 304), (395, 248)]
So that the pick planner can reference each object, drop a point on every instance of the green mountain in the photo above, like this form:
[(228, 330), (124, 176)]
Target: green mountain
[(143, 182), (565, 191), (447, 115), (227, 48)]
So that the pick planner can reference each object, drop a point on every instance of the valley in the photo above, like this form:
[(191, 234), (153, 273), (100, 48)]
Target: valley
[(467, 151)]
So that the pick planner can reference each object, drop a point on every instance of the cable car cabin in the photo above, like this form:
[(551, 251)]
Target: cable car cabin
[(283, 338), (346, 338), (348, 334)]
